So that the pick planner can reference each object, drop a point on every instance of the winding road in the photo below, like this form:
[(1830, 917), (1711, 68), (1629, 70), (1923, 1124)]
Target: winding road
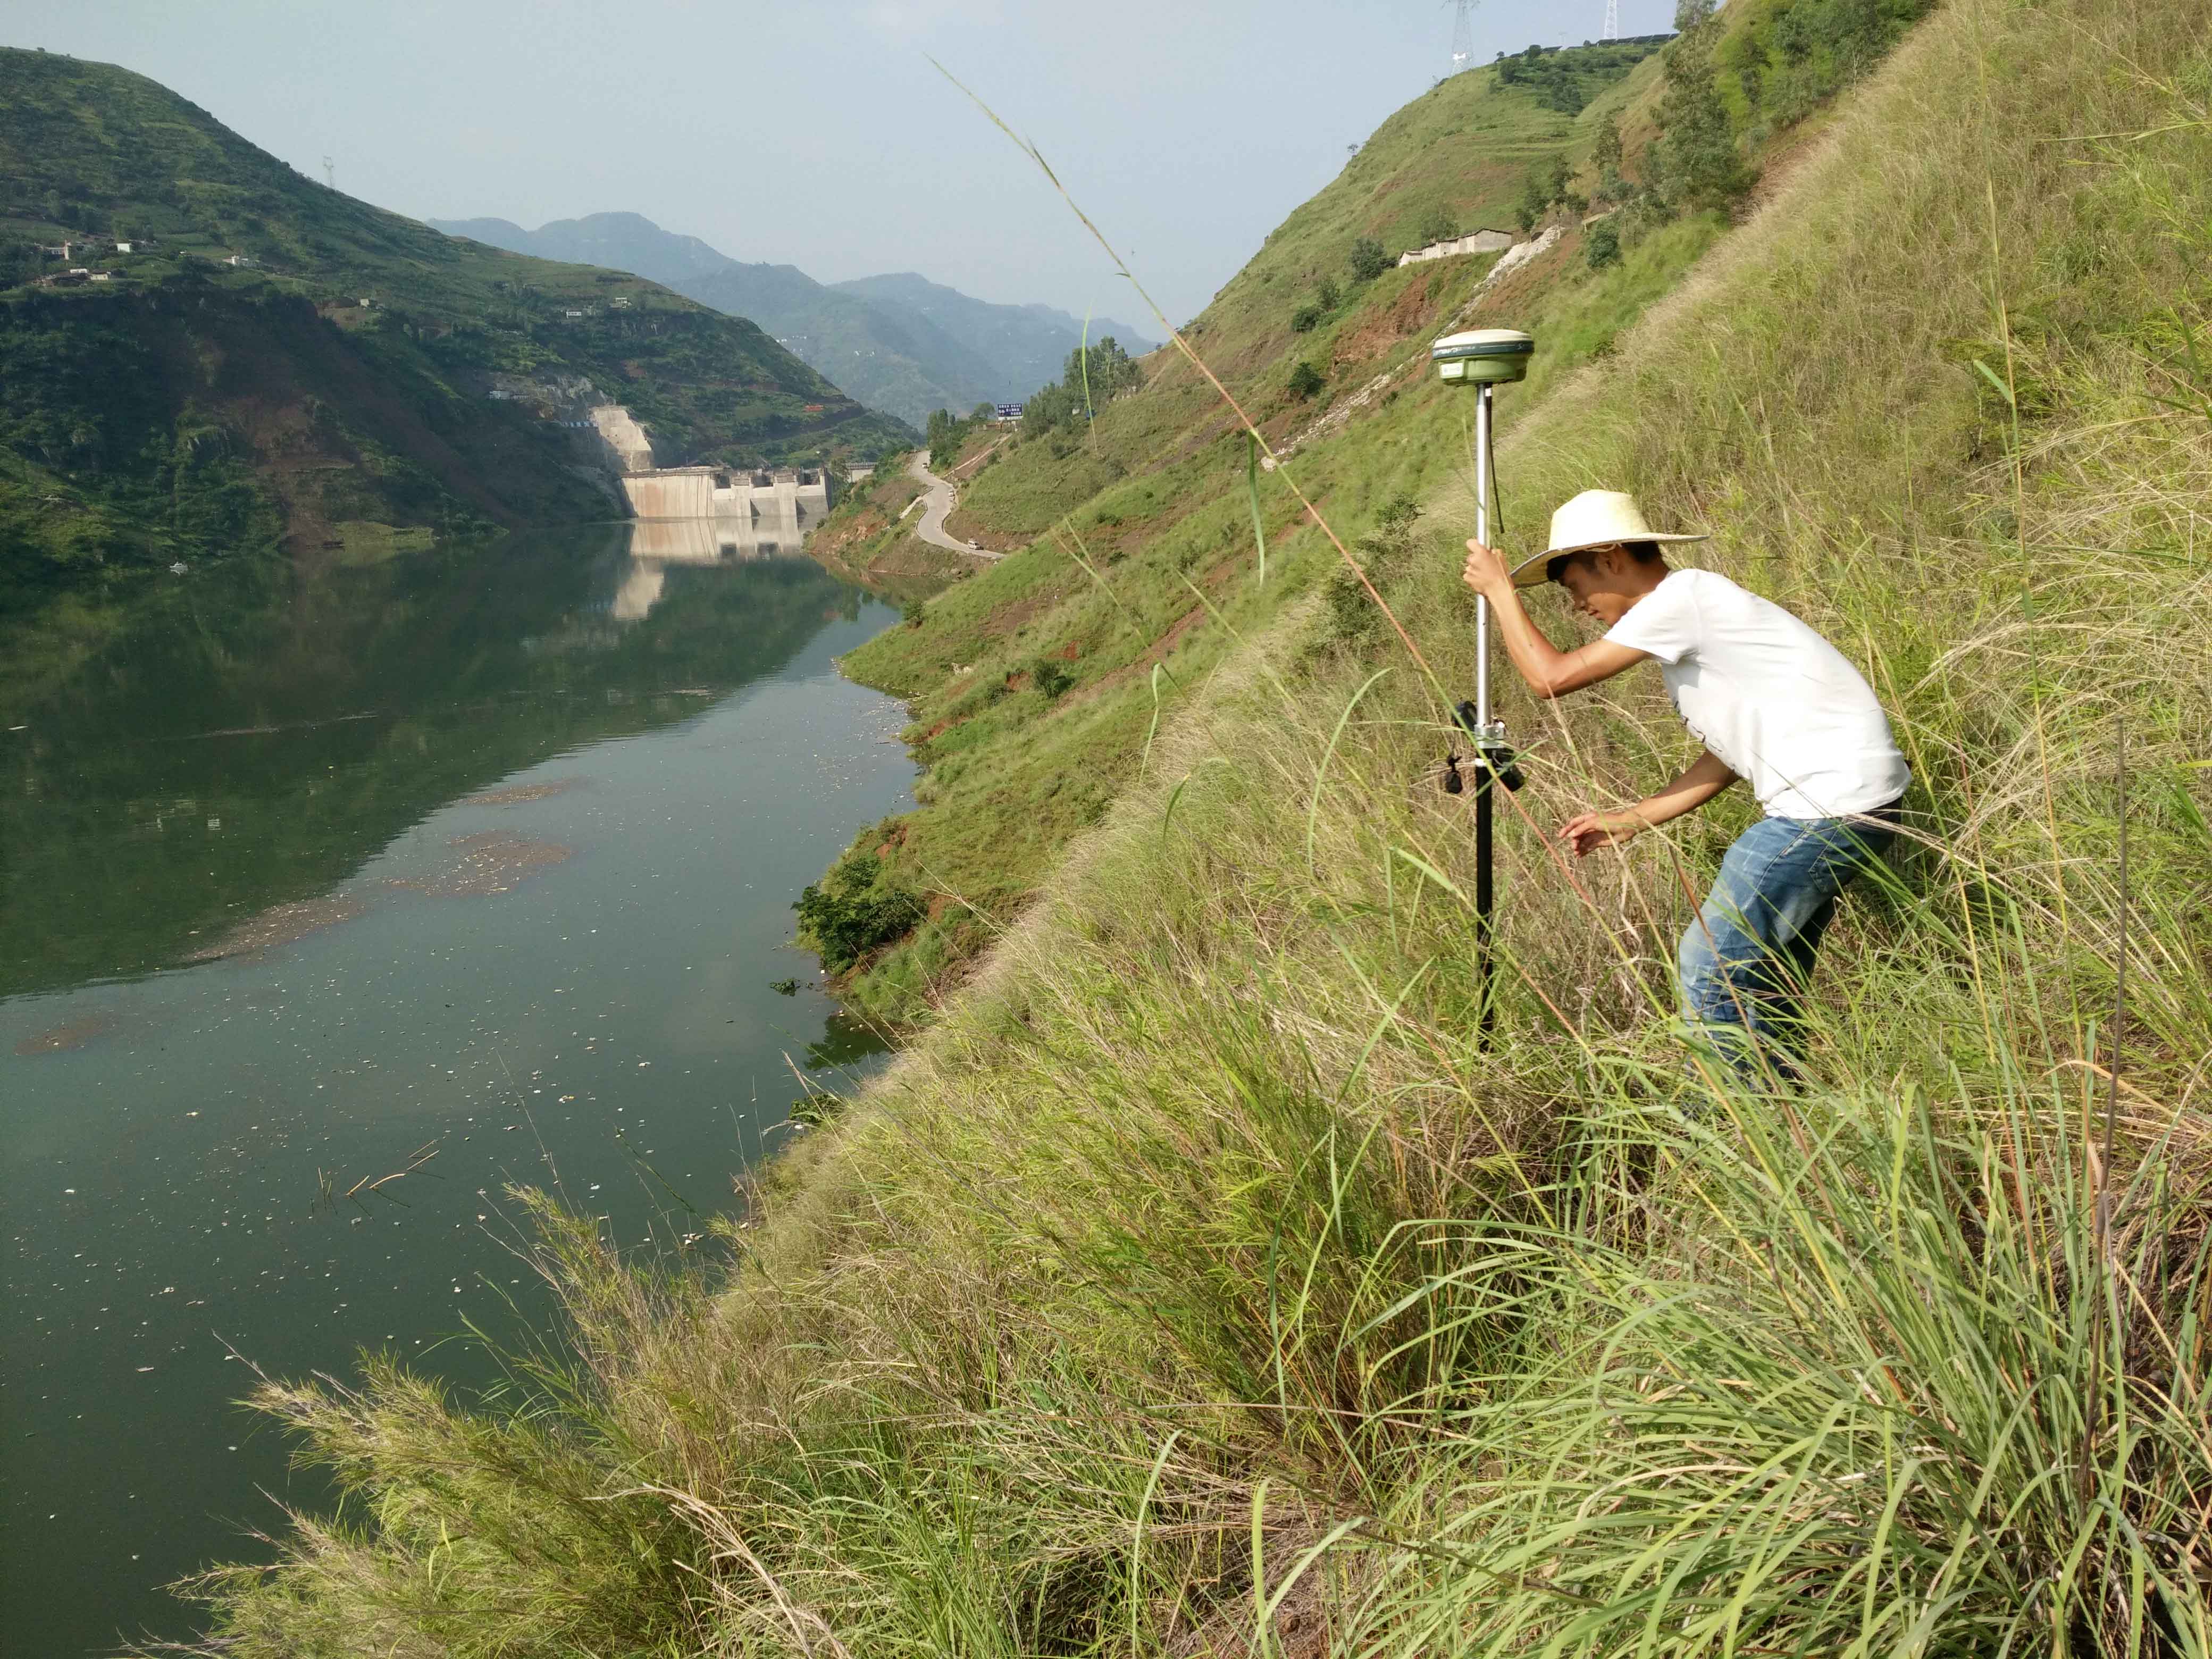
[(935, 505)]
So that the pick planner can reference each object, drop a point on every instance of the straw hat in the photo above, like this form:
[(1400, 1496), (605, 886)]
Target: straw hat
[(1596, 517)]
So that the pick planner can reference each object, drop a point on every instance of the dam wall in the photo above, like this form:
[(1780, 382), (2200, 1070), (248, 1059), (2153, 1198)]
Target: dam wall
[(784, 500), (628, 447)]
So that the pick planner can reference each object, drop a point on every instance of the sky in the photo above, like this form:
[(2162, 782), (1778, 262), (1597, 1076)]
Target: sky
[(817, 132)]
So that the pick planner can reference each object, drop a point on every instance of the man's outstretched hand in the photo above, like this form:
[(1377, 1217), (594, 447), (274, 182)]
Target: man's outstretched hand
[(1594, 829)]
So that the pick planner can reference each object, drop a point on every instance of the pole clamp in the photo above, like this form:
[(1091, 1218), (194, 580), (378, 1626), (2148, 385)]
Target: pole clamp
[(1492, 749)]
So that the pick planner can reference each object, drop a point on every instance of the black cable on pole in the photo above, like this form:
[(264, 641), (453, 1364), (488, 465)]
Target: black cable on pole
[(1497, 494)]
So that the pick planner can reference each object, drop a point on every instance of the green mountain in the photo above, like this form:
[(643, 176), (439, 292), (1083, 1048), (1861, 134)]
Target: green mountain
[(899, 344), (1027, 344), (274, 363), (886, 362)]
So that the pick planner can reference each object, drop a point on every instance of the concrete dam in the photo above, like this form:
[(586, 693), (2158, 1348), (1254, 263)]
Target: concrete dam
[(779, 504)]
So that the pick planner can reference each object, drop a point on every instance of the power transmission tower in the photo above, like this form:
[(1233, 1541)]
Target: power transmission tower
[(1462, 35), (329, 173), (1612, 29)]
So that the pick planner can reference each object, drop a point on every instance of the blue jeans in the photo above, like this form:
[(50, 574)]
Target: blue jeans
[(1747, 959)]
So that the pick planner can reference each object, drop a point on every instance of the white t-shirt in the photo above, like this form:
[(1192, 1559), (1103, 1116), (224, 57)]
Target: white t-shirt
[(1773, 700)]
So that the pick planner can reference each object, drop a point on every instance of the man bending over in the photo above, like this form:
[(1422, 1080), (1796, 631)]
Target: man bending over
[(1771, 702)]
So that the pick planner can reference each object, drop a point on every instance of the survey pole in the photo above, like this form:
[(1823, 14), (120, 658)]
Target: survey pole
[(1484, 358)]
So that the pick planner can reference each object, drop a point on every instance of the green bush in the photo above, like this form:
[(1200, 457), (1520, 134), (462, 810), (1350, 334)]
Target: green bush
[(1601, 247), (1348, 614), (856, 907), (1368, 260), (1305, 320), (1305, 380), (1050, 676), (1530, 208)]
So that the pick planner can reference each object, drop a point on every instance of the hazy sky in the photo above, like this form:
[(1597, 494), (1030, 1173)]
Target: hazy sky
[(816, 132)]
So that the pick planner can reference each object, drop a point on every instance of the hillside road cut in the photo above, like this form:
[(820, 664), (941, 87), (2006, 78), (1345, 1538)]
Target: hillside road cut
[(934, 506)]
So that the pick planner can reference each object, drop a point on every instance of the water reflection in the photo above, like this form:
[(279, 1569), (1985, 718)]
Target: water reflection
[(244, 740), (306, 874), (769, 528)]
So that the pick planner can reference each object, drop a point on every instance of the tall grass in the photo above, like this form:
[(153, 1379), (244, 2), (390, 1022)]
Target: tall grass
[(1203, 1284)]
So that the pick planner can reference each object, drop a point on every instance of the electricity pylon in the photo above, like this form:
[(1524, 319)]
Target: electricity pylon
[(1612, 29), (1462, 35)]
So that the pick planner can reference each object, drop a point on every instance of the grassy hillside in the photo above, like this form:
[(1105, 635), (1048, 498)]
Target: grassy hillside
[(191, 407), (1144, 569), (1202, 1284)]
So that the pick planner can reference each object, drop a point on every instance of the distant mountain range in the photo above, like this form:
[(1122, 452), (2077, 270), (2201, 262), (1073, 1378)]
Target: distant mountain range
[(899, 344)]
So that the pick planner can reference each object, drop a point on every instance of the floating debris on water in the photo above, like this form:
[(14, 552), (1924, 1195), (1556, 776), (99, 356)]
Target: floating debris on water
[(72, 1033), (491, 862), (520, 793), (281, 924)]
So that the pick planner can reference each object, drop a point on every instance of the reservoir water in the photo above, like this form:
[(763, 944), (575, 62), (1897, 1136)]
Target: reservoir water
[(333, 903)]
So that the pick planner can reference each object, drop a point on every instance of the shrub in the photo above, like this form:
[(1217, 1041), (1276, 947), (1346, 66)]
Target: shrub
[(1050, 676), (1368, 260), (1602, 246), (1530, 208), (1305, 380), (1327, 294), (816, 1108), (1606, 153), (1348, 615), (1439, 225), (1305, 320), (913, 611), (854, 908)]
